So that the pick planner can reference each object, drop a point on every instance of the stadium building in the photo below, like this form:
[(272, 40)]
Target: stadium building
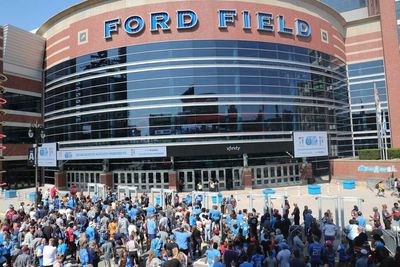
[(249, 93)]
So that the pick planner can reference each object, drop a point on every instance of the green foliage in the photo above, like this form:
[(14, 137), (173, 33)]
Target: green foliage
[(374, 154)]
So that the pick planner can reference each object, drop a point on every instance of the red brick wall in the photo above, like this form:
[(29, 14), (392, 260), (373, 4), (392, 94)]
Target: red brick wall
[(392, 64), (348, 169)]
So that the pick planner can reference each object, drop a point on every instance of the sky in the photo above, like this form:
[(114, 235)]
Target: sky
[(30, 14)]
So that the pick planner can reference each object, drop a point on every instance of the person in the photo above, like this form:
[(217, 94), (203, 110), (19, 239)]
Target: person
[(283, 256), (297, 260), (298, 244), (212, 254), (182, 239), (386, 217), (49, 254), (363, 260), (152, 260), (381, 189), (107, 249), (296, 214), (362, 222), (352, 232), (24, 259), (230, 255), (329, 230), (316, 251), (376, 218)]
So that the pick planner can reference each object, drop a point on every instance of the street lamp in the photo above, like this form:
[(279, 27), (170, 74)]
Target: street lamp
[(36, 131)]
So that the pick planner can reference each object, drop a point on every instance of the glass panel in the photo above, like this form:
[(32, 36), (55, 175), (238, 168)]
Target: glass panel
[(143, 178), (151, 177), (189, 177), (129, 178)]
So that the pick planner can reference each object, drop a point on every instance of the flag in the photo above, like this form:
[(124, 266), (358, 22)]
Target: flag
[(378, 106)]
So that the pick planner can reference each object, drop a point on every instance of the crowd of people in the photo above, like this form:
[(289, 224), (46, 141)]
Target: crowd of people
[(70, 229)]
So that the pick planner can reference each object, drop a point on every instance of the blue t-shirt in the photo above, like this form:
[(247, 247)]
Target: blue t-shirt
[(182, 239), (61, 249), (90, 233), (214, 214), (151, 227), (211, 254), (246, 264), (192, 221), (315, 250), (132, 213), (188, 199), (361, 222), (239, 219), (199, 198), (218, 264), (150, 210), (257, 260)]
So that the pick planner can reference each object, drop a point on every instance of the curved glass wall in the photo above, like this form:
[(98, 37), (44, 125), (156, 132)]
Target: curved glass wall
[(197, 91)]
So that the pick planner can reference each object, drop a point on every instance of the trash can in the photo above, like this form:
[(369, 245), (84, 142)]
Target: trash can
[(268, 192), (32, 196), (349, 184), (314, 189), (214, 200), (10, 193)]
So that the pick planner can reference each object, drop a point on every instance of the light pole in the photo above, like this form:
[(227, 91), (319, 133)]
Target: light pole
[(36, 131)]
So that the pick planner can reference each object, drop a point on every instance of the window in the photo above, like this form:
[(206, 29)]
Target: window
[(22, 102)]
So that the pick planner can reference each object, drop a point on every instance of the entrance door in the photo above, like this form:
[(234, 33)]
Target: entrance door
[(229, 179)]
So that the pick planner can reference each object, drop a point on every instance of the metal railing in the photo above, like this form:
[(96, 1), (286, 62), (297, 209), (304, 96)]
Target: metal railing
[(392, 240)]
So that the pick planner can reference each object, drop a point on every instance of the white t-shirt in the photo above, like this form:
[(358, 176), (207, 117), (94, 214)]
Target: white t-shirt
[(352, 230), (329, 229), (49, 255)]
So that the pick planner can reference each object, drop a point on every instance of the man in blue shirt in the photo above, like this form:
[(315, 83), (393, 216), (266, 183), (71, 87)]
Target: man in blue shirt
[(91, 232), (181, 237), (361, 221), (316, 252), (151, 228), (213, 254), (214, 214)]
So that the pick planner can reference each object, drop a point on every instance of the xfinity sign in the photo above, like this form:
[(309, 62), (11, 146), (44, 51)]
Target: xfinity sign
[(188, 19)]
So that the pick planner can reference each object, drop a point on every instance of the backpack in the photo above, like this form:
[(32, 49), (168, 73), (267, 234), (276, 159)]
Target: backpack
[(69, 233)]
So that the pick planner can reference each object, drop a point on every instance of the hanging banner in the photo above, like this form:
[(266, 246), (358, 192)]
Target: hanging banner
[(47, 155), (310, 144), (113, 153)]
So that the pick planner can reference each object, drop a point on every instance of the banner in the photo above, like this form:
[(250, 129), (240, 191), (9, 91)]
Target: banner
[(31, 157), (47, 155), (310, 144), (113, 153), (377, 169)]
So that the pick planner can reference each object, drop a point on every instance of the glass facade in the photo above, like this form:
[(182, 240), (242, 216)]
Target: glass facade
[(398, 18), (22, 102), (197, 91), (345, 5), (363, 77)]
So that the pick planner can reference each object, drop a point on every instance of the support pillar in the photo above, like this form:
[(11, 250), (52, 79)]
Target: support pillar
[(60, 180), (247, 178), (106, 178), (173, 181)]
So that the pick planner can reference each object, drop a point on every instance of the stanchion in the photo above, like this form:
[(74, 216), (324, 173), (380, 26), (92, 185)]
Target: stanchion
[(298, 190)]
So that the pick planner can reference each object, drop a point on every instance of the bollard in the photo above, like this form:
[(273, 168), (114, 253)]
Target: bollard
[(328, 188), (298, 191)]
